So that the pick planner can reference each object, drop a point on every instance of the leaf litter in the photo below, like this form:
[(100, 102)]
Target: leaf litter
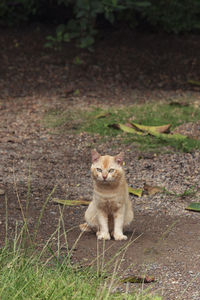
[(136, 192), (152, 190), (161, 132), (138, 279)]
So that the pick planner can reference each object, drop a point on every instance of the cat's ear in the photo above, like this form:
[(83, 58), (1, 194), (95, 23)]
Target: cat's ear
[(119, 158), (95, 155)]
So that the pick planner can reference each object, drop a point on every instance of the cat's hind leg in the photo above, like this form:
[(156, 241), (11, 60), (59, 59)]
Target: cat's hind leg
[(129, 215), (85, 228)]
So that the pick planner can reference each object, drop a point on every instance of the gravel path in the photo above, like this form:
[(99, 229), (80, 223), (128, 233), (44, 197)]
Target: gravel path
[(166, 236)]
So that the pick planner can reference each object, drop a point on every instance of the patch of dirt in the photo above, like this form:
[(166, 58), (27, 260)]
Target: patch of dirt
[(190, 129), (123, 70)]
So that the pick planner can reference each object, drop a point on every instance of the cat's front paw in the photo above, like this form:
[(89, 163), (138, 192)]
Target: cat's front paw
[(120, 237), (103, 235)]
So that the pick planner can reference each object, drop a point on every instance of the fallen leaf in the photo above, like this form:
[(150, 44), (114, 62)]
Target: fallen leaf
[(194, 82), (125, 128), (157, 131), (194, 206), (129, 125), (175, 136), (102, 115), (179, 104), (76, 92), (71, 202), (160, 132), (138, 279), (136, 192), (152, 190), (153, 129)]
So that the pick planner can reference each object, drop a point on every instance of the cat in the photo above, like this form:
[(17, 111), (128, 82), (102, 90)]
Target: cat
[(111, 209)]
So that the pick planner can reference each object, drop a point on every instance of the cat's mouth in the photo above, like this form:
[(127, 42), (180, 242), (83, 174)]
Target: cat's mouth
[(105, 181)]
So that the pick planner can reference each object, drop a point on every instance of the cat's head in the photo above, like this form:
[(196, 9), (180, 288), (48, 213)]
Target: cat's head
[(106, 169)]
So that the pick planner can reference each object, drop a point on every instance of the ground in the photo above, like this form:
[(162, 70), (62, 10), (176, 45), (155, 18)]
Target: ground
[(124, 69)]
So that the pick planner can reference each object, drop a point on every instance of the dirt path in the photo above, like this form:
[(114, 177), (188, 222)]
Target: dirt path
[(165, 236)]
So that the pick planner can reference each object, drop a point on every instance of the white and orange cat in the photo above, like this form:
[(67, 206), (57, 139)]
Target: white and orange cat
[(111, 209)]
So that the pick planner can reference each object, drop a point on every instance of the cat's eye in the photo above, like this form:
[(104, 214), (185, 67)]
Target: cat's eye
[(99, 170), (111, 170)]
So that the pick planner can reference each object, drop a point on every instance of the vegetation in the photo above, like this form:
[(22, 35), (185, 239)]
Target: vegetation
[(80, 19), (27, 273), (99, 121), (27, 278)]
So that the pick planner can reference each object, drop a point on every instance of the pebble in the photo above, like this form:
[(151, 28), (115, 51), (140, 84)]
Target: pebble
[(2, 192)]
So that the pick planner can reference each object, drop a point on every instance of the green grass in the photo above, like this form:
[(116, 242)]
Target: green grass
[(28, 278), (31, 271), (146, 114), (27, 275)]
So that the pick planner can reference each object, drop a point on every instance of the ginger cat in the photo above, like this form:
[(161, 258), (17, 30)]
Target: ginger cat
[(111, 208)]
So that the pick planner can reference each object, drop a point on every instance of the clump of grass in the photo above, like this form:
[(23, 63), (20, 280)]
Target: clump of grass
[(27, 273), (147, 114), (28, 278), (25, 276)]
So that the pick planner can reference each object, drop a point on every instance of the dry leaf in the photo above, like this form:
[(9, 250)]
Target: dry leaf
[(151, 190), (174, 136), (125, 128), (153, 129), (194, 82), (139, 279), (179, 104), (129, 125), (71, 202), (102, 115), (136, 192), (159, 131)]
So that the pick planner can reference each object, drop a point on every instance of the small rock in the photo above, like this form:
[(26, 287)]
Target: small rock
[(2, 192)]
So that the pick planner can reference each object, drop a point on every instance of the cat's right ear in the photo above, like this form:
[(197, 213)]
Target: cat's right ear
[(119, 158), (95, 155)]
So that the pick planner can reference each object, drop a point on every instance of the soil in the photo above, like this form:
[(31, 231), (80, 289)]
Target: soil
[(126, 67)]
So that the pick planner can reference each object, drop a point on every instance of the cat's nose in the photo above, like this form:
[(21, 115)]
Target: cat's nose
[(104, 176)]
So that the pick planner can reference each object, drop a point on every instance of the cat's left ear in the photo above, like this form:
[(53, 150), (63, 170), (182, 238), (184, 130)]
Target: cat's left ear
[(119, 158)]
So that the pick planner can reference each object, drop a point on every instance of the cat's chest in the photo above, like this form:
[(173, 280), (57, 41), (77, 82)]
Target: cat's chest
[(109, 202)]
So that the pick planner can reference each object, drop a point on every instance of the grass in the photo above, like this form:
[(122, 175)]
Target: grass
[(147, 114), (48, 273), (29, 276)]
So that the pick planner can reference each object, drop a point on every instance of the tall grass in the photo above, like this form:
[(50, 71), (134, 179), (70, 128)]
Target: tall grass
[(30, 272)]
